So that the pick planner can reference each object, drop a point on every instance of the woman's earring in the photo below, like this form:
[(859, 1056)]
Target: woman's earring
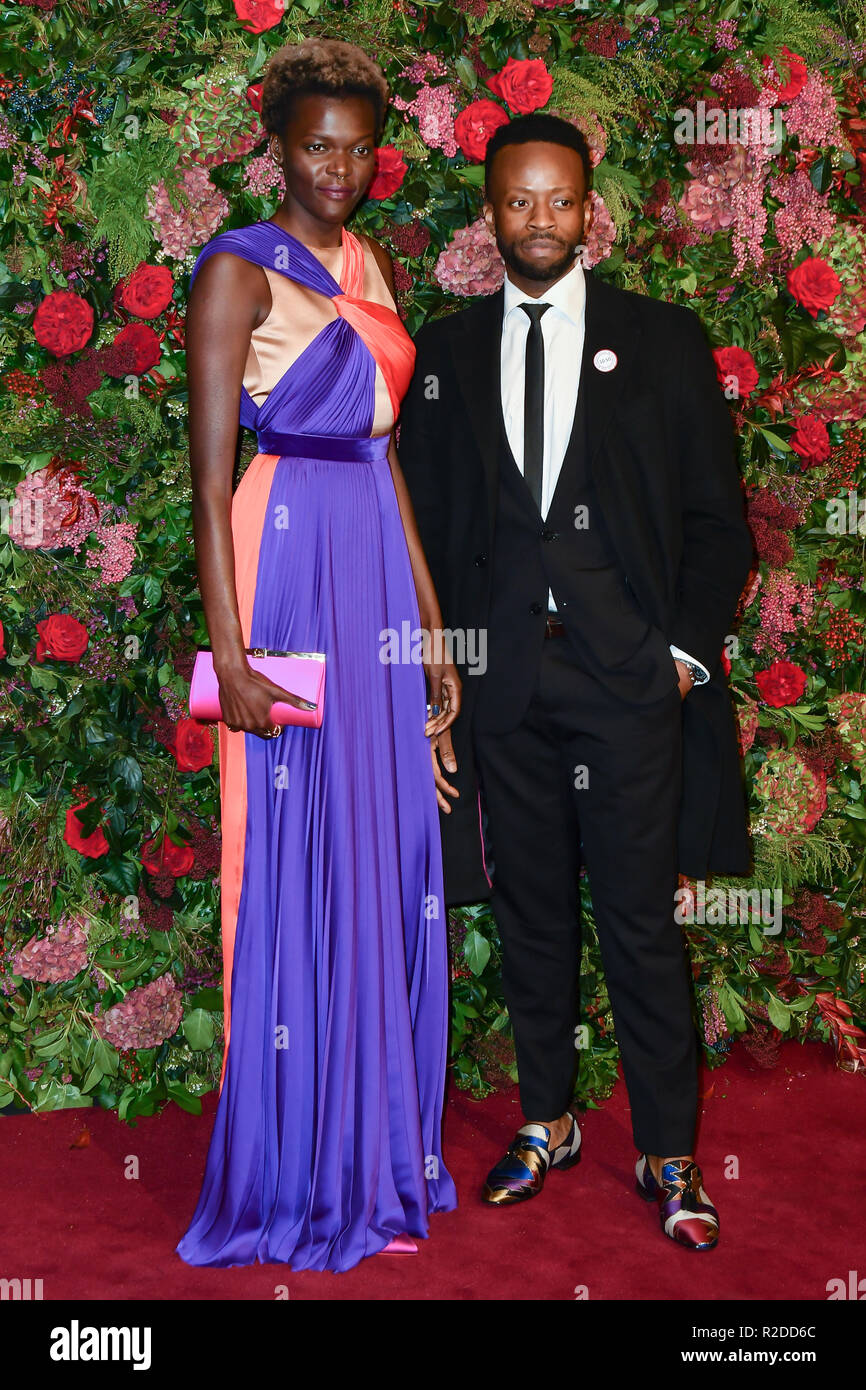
[(275, 155)]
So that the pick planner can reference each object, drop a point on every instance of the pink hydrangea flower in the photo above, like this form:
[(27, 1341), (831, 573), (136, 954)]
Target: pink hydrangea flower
[(44, 501), (117, 556), (59, 955), (786, 606), (145, 1018), (471, 263), (804, 216), (262, 176), (179, 229), (427, 64), (433, 108), (813, 114), (602, 232), (707, 196)]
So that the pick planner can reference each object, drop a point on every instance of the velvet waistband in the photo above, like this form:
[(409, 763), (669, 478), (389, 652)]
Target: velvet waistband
[(364, 449)]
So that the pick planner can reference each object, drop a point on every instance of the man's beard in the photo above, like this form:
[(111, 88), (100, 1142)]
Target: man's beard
[(531, 269)]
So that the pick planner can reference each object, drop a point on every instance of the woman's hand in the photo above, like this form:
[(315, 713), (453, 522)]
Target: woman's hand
[(445, 691), (442, 749), (246, 697)]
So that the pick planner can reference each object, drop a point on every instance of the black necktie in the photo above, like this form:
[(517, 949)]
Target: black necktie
[(533, 402)]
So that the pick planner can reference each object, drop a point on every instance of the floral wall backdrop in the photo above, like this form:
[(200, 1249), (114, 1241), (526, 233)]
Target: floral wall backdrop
[(129, 135)]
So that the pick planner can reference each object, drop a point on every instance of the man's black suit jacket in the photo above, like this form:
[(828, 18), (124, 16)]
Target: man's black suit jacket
[(662, 456)]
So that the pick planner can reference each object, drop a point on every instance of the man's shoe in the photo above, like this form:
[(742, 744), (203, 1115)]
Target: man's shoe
[(521, 1173), (686, 1213)]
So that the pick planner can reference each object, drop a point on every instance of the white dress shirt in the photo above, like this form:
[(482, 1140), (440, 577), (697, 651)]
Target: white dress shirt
[(562, 330)]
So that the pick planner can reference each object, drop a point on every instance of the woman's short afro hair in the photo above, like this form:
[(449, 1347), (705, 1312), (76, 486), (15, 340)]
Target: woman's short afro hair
[(328, 67)]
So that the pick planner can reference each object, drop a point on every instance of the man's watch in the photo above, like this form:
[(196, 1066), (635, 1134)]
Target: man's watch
[(694, 670)]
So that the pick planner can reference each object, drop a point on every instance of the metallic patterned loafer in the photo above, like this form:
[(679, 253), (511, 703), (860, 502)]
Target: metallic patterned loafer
[(521, 1173), (686, 1213)]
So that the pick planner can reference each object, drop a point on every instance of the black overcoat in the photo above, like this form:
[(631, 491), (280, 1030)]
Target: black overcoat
[(662, 456)]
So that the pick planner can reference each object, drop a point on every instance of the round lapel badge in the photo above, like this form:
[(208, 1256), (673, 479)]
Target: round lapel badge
[(605, 360)]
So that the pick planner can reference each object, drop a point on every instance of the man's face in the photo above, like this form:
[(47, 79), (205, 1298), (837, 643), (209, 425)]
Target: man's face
[(538, 208)]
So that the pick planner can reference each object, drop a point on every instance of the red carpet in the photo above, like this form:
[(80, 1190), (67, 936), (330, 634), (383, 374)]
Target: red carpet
[(790, 1222)]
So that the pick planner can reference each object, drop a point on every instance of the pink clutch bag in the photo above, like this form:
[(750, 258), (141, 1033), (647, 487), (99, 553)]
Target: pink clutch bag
[(303, 673)]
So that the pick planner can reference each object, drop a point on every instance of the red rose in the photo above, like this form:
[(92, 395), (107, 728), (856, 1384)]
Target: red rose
[(524, 84), (390, 172), (144, 343), (254, 97), (63, 322), (173, 859), (62, 637), (147, 291), (91, 846), (726, 663), (258, 15), (811, 440), (798, 74), (814, 284), (737, 363), (781, 684), (193, 745), (475, 125)]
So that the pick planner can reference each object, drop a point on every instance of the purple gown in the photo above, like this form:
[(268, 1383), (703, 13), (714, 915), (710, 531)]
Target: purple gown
[(326, 1142)]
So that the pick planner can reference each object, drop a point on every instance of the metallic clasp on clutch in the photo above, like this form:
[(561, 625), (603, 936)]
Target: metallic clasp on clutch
[(270, 651)]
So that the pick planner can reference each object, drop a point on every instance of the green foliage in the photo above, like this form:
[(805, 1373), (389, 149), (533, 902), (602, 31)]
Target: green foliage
[(117, 188)]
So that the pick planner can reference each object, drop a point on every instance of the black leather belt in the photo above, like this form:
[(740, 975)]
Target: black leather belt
[(554, 627)]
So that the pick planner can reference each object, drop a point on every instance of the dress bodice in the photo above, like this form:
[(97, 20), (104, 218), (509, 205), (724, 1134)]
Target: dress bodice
[(332, 357), (295, 317)]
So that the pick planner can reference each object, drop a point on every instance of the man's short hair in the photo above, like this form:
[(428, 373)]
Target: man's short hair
[(539, 125)]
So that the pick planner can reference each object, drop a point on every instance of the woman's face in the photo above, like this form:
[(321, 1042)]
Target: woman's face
[(328, 153)]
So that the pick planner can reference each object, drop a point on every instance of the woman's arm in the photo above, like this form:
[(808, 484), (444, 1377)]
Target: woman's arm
[(224, 307), (230, 297)]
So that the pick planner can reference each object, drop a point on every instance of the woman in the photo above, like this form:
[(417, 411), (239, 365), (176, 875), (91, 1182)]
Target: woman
[(326, 1143)]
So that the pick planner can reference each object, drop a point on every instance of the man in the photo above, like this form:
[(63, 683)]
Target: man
[(571, 464)]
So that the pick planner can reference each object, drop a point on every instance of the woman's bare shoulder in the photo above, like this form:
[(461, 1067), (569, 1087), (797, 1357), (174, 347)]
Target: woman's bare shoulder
[(230, 289), (382, 258)]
